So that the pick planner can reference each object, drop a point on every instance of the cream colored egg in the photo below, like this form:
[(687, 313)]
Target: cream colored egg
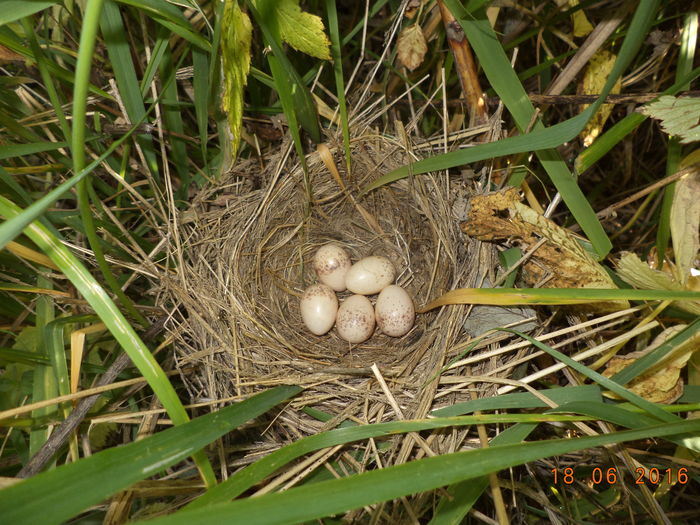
[(370, 275), (319, 307), (394, 311), (332, 264), (355, 321)]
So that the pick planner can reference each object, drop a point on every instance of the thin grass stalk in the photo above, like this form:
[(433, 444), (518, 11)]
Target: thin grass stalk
[(88, 37)]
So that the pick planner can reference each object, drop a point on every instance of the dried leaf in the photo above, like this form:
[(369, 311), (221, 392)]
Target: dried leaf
[(678, 116), (561, 259), (661, 383), (582, 27), (235, 56), (412, 47), (685, 224), (637, 273), (594, 79), (7, 55)]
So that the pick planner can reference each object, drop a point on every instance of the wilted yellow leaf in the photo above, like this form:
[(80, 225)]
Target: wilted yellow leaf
[(637, 273), (235, 57), (301, 30), (411, 46), (685, 222), (661, 383), (582, 26), (594, 79)]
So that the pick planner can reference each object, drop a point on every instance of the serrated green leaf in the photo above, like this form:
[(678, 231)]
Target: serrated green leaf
[(679, 116), (301, 30), (235, 56)]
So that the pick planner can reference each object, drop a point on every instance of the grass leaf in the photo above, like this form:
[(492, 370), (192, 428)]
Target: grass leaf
[(72, 488)]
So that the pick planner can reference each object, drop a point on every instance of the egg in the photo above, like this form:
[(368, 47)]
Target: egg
[(394, 311), (355, 321), (319, 307), (332, 264), (370, 275)]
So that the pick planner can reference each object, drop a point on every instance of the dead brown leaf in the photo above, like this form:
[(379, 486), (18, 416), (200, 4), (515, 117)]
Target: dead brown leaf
[(412, 47), (561, 262), (663, 382)]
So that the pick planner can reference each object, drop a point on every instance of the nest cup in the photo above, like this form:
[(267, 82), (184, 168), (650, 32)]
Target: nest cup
[(245, 252)]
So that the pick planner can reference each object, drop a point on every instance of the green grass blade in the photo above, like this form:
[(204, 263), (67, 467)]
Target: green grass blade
[(15, 9), (9, 151), (170, 17), (200, 85), (521, 400), (336, 52), (331, 497), (119, 53), (249, 476), (110, 315), (554, 296), (461, 497), (43, 377), (72, 488), (603, 381)]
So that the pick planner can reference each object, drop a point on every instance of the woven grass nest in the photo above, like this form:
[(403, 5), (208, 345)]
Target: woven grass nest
[(245, 249)]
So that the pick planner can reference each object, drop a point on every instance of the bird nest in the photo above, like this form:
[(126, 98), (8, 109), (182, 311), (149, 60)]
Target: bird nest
[(244, 251)]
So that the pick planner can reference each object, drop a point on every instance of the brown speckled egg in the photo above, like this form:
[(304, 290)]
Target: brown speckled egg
[(355, 320), (332, 264), (319, 306), (370, 275), (394, 311)]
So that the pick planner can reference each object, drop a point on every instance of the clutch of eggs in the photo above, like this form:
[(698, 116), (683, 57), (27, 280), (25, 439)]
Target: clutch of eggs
[(355, 318)]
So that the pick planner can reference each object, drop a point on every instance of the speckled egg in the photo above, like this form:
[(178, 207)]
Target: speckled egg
[(370, 275), (355, 321), (394, 311), (319, 307), (332, 264)]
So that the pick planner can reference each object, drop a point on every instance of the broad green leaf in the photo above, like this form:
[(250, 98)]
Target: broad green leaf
[(301, 30), (679, 116), (15, 9), (235, 57), (69, 489), (332, 497)]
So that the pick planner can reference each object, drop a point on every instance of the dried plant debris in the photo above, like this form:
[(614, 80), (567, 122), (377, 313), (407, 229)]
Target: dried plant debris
[(411, 47), (594, 80), (685, 221), (559, 262), (663, 382)]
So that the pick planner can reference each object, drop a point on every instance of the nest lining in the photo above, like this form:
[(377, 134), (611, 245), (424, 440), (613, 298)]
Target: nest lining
[(245, 250)]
